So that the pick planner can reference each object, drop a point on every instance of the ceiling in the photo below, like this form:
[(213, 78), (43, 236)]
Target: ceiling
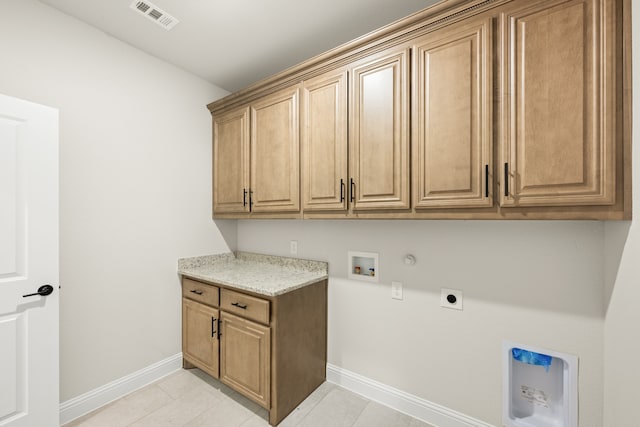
[(233, 43)]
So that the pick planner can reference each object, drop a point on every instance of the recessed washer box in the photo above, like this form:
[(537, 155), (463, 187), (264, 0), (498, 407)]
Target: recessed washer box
[(540, 387), (363, 266)]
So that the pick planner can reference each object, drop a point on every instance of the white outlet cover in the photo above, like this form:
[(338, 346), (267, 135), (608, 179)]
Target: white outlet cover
[(444, 293), (293, 247), (396, 290)]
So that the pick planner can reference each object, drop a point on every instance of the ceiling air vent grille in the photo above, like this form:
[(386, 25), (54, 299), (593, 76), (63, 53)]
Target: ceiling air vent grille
[(155, 14)]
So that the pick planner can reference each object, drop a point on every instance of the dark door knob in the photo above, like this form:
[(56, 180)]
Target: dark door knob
[(43, 290)]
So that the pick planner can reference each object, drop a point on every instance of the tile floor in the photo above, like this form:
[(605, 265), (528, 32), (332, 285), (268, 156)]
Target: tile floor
[(193, 399)]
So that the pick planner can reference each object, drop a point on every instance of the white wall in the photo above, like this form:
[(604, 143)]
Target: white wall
[(622, 296), (533, 282), (135, 150)]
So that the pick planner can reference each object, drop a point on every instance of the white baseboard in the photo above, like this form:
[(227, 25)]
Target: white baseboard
[(401, 401), (94, 399)]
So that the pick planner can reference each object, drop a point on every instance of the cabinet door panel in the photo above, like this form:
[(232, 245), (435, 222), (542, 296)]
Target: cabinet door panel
[(558, 136), (231, 162), (379, 137), (199, 335), (245, 357), (452, 117), (275, 178), (324, 142)]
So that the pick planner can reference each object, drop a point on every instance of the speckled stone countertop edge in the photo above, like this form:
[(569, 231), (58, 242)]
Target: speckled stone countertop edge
[(267, 275), (230, 257), (261, 291), (200, 261)]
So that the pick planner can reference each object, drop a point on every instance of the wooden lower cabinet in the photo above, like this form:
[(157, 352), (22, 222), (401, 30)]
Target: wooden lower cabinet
[(272, 350), (199, 336), (245, 357)]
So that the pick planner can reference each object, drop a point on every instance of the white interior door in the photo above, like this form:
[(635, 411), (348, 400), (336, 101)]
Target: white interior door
[(29, 376)]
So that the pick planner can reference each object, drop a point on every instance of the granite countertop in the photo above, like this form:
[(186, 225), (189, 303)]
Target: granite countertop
[(263, 274)]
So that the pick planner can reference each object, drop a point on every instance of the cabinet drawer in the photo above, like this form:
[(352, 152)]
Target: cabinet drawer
[(201, 292), (245, 305)]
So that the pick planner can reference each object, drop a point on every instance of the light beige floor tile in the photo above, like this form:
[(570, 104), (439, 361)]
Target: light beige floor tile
[(417, 423), (246, 402), (339, 408), (179, 383), (78, 421), (377, 415), (256, 421), (302, 410), (125, 410), (262, 413), (181, 411), (226, 412), (190, 398), (217, 384), (119, 414), (149, 398)]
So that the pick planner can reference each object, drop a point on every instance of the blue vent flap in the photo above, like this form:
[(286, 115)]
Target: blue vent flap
[(532, 358)]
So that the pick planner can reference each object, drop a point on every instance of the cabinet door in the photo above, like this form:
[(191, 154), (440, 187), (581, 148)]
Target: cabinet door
[(200, 343), (379, 132), (557, 130), (245, 357), (231, 162), (452, 118), (275, 177), (324, 142)]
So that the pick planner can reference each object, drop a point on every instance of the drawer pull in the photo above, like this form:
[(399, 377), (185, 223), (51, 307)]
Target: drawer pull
[(237, 304), (196, 291)]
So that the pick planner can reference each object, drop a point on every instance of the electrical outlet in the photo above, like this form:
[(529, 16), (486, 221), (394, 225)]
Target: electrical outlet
[(293, 247), (396, 290), (451, 298)]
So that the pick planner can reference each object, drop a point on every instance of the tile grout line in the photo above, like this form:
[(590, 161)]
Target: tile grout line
[(362, 411), (312, 408)]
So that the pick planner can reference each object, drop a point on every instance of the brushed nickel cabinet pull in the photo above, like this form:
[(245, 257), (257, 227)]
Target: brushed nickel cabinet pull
[(196, 291)]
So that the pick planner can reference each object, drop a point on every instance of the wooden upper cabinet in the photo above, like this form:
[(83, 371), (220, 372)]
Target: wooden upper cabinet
[(558, 119), (514, 109), (275, 177), (231, 162), (379, 131), (452, 120), (323, 131)]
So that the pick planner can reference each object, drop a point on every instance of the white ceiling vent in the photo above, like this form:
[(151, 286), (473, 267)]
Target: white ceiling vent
[(155, 14)]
